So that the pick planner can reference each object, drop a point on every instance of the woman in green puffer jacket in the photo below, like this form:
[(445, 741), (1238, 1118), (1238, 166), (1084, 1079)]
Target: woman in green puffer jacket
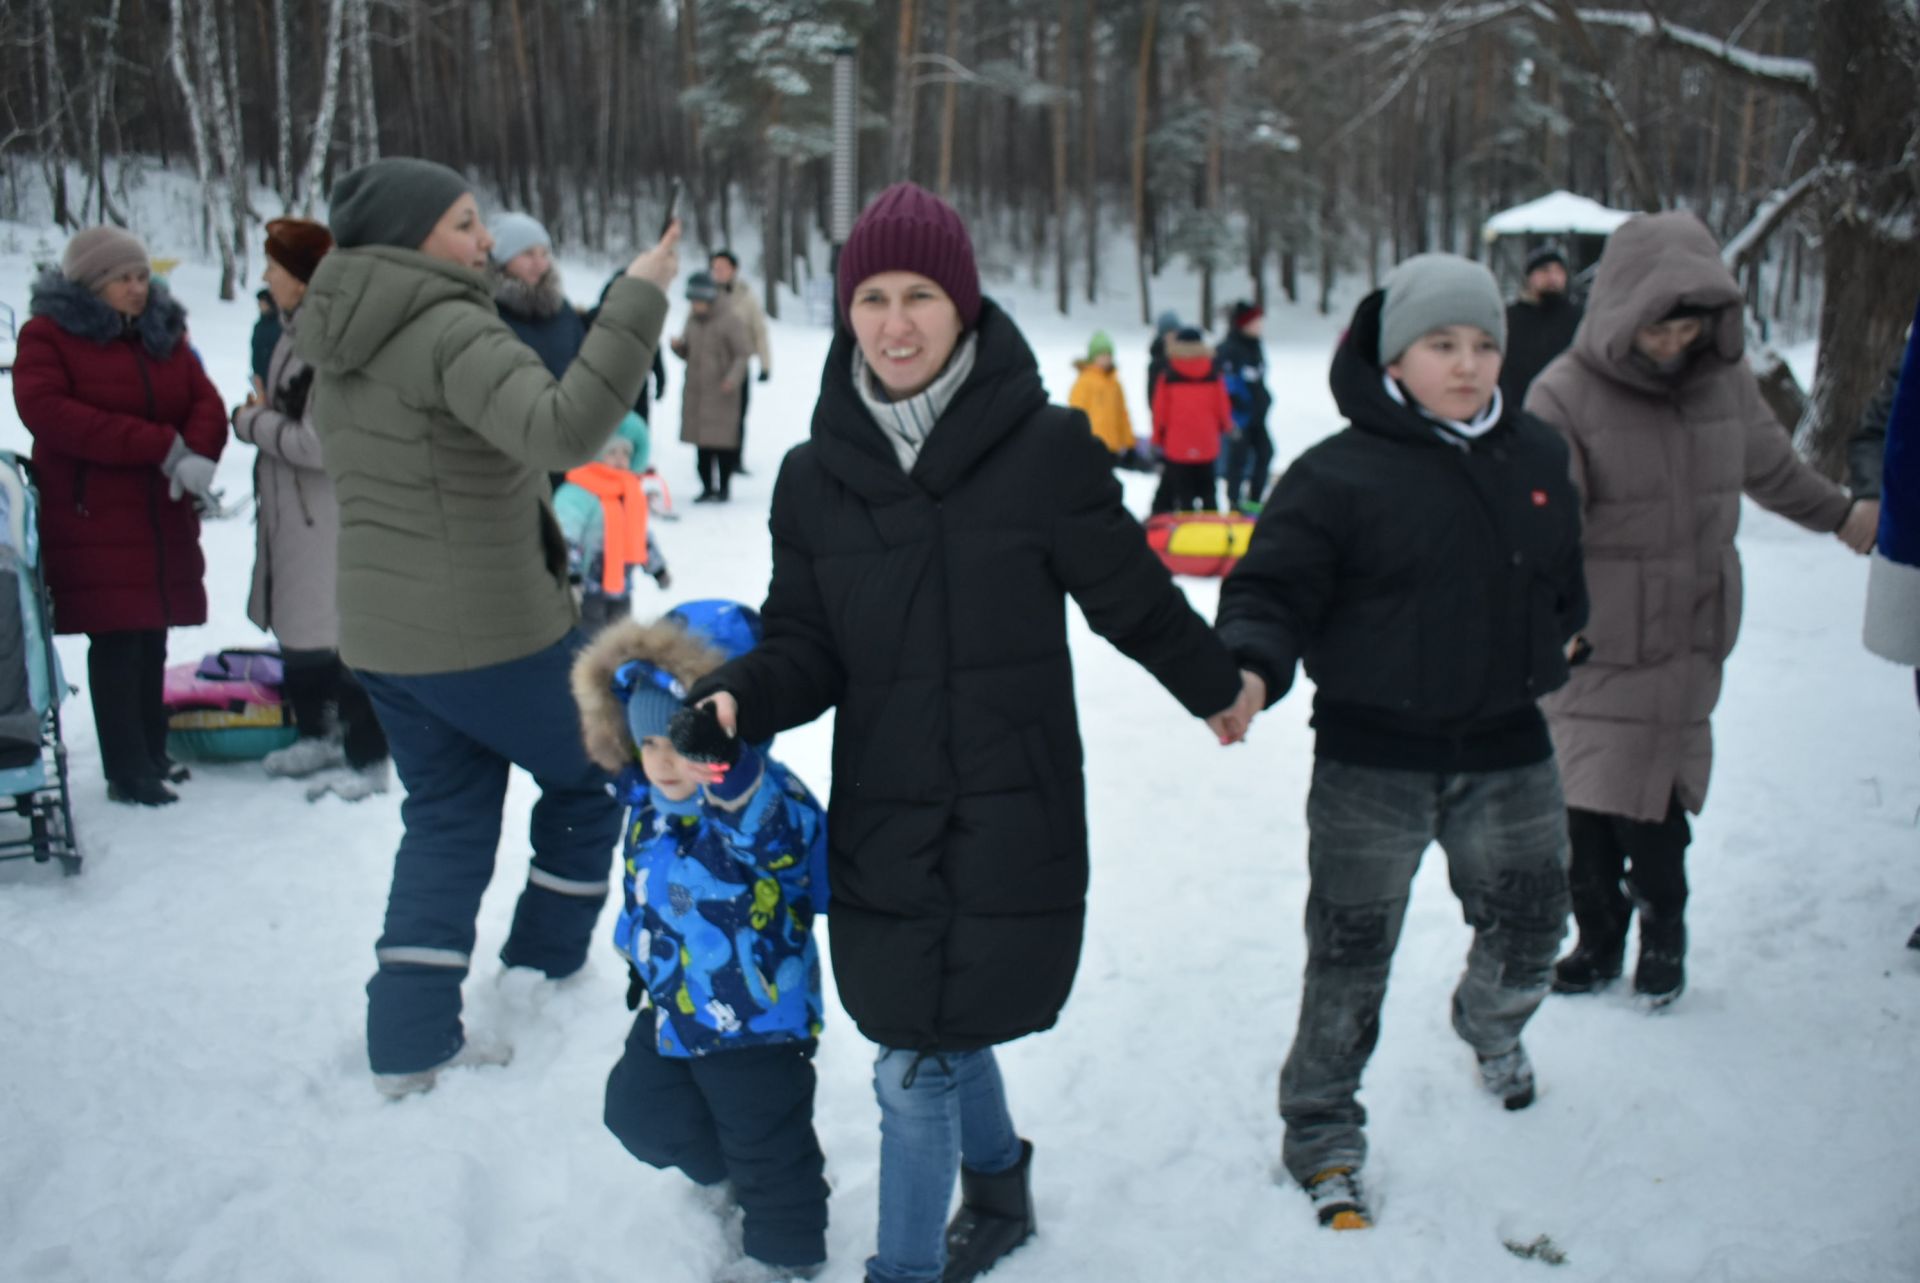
[(438, 428)]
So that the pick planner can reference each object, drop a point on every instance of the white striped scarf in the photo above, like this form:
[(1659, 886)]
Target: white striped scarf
[(906, 423)]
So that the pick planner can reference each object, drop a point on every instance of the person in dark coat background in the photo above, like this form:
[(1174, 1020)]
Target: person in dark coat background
[(1540, 323), (266, 336), (1243, 363), (126, 431), (925, 540), (1164, 327)]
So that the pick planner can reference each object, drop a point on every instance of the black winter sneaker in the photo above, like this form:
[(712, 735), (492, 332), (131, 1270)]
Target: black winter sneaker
[(142, 791), (1337, 1199), (1661, 976), (995, 1217), (1586, 970), (1508, 1076)]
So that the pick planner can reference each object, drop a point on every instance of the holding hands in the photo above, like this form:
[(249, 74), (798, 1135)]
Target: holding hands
[(1230, 723), (1861, 527)]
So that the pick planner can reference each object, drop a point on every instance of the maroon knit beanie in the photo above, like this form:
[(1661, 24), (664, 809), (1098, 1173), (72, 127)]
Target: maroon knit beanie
[(909, 229)]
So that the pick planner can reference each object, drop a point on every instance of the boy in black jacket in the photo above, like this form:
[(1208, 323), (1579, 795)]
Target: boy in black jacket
[(1424, 565)]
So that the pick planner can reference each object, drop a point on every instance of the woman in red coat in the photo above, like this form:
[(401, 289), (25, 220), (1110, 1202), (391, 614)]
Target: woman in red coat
[(126, 428)]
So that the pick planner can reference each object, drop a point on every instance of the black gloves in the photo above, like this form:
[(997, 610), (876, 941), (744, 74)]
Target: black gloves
[(697, 735)]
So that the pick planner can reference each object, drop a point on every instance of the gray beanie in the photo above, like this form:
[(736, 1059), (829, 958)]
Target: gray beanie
[(393, 201), (514, 234), (1432, 291), (101, 254)]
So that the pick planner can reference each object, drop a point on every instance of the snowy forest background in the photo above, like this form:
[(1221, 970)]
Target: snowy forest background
[(1283, 144)]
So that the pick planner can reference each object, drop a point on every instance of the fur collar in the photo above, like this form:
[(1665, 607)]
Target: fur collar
[(541, 302), (80, 312)]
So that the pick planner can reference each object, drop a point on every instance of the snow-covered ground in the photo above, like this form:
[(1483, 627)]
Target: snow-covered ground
[(187, 1095)]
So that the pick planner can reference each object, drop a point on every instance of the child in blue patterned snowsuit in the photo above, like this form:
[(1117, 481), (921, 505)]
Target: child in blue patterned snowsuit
[(724, 871)]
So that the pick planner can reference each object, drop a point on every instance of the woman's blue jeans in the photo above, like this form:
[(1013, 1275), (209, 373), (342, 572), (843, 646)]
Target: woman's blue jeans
[(937, 1112)]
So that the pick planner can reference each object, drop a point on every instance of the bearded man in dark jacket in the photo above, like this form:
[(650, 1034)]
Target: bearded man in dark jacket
[(1540, 324)]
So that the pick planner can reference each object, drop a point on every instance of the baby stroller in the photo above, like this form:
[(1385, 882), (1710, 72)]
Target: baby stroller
[(31, 688)]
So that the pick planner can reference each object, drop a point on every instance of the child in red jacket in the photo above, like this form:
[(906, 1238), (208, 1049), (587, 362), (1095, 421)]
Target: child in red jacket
[(1191, 413)]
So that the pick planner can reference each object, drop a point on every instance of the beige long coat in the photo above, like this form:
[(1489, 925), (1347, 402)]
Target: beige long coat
[(295, 562), (1661, 465), (716, 348)]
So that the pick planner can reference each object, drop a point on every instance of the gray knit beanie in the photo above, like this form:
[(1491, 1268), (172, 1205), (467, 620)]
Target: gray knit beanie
[(1432, 291), (393, 201), (514, 234), (101, 254)]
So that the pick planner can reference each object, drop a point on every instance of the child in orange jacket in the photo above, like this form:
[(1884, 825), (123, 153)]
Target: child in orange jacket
[(1096, 393)]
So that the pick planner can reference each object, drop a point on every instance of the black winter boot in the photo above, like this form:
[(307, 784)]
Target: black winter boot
[(1913, 941), (1662, 974), (1588, 969), (995, 1216)]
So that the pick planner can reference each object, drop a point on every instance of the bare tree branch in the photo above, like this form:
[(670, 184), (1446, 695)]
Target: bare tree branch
[(1771, 213), (1792, 75), (1645, 190)]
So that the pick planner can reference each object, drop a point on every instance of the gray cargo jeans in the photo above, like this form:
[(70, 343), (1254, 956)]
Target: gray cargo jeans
[(1505, 838)]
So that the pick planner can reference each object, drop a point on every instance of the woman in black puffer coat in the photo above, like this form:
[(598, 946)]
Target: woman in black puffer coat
[(925, 543)]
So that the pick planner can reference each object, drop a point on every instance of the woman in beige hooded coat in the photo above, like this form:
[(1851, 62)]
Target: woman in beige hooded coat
[(1667, 430)]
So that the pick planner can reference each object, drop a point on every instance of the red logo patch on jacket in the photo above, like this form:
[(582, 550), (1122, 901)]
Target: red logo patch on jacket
[(1539, 498)]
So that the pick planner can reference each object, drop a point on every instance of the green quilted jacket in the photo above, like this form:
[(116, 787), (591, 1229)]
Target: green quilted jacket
[(439, 427)]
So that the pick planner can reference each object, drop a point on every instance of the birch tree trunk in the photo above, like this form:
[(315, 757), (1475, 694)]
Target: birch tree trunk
[(210, 186), (1089, 158), (99, 105), (1062, 218), (320, 137), (52, 111), (217, 75), (1143, 80), (363, 131), (282, 108)]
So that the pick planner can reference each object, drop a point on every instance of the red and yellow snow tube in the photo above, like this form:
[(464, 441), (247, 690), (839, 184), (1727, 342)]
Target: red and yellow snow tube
[(1199, 543)]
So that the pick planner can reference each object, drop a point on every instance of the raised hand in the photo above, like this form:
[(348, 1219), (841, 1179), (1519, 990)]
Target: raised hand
[(661, 263)]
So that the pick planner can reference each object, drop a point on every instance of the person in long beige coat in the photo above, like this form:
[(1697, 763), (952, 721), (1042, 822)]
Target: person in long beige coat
[(1667, 430), (716, 347), (295, 563)]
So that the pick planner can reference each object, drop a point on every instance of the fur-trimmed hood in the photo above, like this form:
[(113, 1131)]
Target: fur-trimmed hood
[(82, 313), (666, 644), (541, 301)]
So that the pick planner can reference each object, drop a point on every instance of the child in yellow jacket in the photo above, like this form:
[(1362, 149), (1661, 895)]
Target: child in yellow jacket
[(1097, 393)]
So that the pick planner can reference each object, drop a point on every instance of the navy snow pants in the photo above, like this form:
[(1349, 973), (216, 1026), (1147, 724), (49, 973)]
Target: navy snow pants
[(743, 1115), (454, 738)]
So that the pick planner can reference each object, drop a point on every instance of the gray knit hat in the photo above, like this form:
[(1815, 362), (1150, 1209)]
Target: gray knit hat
[(1431, 291), (101, 254), (393, 201), (514, 234)]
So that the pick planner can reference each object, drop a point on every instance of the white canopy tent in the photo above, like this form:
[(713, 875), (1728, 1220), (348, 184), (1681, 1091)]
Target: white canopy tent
[(1555, 214)]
